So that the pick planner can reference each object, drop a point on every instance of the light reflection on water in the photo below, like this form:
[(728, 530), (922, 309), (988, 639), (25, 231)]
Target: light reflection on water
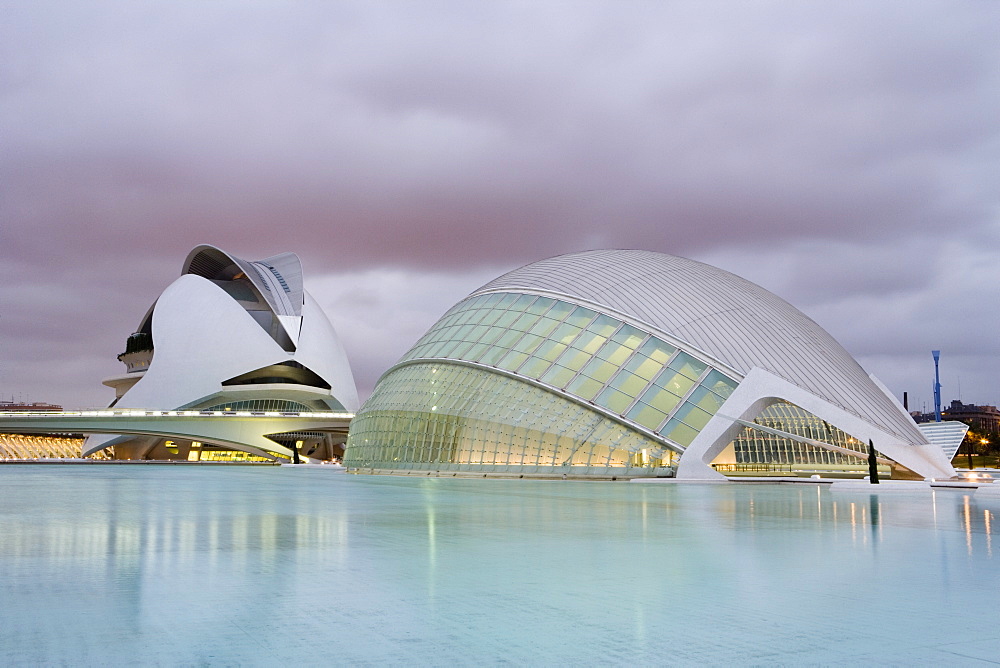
[(183, 565)]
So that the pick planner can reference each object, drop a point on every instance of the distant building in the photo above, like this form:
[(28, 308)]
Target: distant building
[(33, 407), (979, 418)]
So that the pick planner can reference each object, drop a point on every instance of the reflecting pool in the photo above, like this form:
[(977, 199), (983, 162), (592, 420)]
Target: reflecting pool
[(109, 565)]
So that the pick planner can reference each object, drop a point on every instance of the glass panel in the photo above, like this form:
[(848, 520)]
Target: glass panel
[(416, 351), (675, 382), (491, 335), (628, 383), (657, 350), (589, 342), (580, 317), (629, 336), (507, 318), (508, 299), (693, 416), (477, 332), (615, 400), (474, 302), (705, 400), (471, 317), (719, 383), (522, 302), (614, 353), (660, 399), (488, 317), (550, 350), (433, 349), (557, 376), (603, 325), (541, 305), (438, 335), (643, 367), (524, 323), (463, 317), (458, 352), (535, 367), (473, 353), (646, 415), (583, 387), (476, 315), (512, 360), (688, 365), (574, 359), (600, 370), (446, 348), (528, 343), (493, 355), (679, 432), (544, 326), (491, 301), (508, 339), (565, 333), (560, 310)]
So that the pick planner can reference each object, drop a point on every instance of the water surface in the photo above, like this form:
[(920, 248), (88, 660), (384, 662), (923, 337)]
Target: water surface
[(183, 565)]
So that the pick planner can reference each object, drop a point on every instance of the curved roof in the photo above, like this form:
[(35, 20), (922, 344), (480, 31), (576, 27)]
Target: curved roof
[(278, 279), (719, 314)]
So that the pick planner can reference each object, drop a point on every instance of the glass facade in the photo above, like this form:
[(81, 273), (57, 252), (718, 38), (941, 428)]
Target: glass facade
[(588, 355), (449, 417), (579, 356), (214, 455), (268, 405), (753, 446), (37, 446)]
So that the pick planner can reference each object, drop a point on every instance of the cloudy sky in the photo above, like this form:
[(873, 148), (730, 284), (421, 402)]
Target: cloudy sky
[(845, 155)]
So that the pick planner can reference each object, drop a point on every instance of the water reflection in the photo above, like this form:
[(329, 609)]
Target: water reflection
[(264, 566)]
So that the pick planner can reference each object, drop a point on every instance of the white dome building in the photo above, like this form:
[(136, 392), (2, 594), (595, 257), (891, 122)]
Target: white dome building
[(232, 335), (619, 363)]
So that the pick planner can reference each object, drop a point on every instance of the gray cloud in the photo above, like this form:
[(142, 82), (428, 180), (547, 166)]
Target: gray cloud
[(821, 149)]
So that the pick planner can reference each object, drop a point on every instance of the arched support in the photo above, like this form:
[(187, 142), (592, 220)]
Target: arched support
[(759, 389)]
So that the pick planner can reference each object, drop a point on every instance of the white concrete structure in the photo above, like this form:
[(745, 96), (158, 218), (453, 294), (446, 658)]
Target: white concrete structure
[(678, 353), (947, 435), (232, 334), (237, 430)]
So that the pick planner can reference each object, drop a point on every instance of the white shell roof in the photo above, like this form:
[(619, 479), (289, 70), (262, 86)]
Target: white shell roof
[(278, 278), (721, 315)]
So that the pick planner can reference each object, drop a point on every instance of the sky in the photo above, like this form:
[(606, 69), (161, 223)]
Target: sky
[(844, 155)]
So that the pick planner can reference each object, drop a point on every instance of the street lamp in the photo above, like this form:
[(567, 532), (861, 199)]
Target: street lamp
[(968, 453)]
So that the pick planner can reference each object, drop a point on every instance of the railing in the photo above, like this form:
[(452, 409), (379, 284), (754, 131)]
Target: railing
[(752, 467), (130, 413)]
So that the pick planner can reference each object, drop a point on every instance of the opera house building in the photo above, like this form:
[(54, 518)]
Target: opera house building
[(233, 336), (626, 363)]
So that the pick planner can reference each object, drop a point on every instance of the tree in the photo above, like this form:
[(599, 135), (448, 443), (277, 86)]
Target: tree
[(978, 443)]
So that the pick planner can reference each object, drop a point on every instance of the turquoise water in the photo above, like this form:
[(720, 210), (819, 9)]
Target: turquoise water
[(140, 565)]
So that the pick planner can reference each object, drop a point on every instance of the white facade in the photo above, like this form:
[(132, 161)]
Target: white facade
[(947, 435), (231, 332)]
